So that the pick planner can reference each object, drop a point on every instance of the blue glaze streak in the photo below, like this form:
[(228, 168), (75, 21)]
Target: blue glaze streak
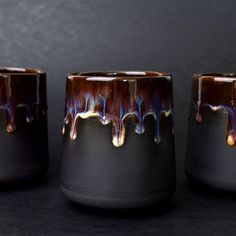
[(103, 104), (139, 128)]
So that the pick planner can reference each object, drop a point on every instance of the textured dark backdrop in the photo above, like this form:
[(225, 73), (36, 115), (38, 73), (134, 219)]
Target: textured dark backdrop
[(180, 37)]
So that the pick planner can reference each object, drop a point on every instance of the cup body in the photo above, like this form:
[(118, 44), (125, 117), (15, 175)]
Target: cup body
[(118, 139), (211, 155), (23, 124)]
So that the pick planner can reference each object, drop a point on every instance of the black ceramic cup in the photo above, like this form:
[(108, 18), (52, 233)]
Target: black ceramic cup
[(23, 124), (118, 139), (211, 154)]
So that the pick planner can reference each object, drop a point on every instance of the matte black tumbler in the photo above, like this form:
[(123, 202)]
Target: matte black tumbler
[(118, 139), (23, 125), (211, 154)]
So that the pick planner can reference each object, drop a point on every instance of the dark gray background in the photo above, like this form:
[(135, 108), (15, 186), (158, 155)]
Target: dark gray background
[(180, 37)]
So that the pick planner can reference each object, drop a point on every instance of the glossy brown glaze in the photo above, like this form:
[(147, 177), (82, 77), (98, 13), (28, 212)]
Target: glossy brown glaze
[(216, 92), (21, 88), (116, 97)]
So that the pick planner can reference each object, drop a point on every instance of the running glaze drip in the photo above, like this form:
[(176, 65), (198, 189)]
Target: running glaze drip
[(117, 98), (21, 88), (217, 92)]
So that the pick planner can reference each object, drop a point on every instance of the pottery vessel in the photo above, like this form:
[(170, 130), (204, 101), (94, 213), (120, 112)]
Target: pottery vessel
[(211, 153), (23, 124), (118, 139)]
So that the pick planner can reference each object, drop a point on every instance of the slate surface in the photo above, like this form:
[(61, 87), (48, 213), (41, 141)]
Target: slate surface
[(43, 210)]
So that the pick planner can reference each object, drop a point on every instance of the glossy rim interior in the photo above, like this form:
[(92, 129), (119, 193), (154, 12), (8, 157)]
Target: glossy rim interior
[(15, 70), (118, 75)]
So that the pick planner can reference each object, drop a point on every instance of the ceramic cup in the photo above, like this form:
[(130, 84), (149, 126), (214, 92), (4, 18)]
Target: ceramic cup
[(118, 139), (211, 155), (23, 124)]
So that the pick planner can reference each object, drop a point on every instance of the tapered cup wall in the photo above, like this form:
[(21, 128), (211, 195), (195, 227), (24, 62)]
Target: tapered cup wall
[(118, 139), (211, 154), (23, 125)]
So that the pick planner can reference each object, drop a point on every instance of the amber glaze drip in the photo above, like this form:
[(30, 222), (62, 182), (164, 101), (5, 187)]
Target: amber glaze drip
[(21, 88), (115, 97), (216, 92)]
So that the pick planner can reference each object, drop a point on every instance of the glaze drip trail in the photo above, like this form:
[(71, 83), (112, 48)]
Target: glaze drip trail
[(20, 90), (216, 93), (116, 100)]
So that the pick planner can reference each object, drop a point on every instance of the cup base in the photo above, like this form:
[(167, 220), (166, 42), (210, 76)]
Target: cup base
[(23, 181), (208, 179), (157, 197)]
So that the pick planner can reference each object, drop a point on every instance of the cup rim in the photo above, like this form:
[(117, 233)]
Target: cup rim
[(19, 70), (118, 75), (214, 74)]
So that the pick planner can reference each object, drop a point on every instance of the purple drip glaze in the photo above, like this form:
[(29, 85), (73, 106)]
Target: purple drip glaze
[(116, 97), (216, 92), (21, 88)]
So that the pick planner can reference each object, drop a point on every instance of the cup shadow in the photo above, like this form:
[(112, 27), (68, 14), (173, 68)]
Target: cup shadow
[(141, 212)]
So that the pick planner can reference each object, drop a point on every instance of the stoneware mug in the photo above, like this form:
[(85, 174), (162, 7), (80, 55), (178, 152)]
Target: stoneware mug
[(211, 154), (118, 139), (23, 124)]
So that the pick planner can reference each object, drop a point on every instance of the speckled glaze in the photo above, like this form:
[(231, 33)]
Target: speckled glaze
[(212, 131), (23, 124), (118, 149)]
